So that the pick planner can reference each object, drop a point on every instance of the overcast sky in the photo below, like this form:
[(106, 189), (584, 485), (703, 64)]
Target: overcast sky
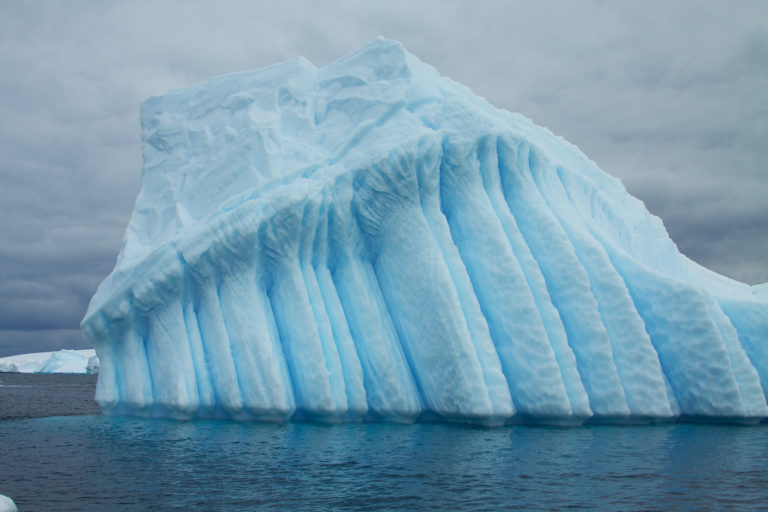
[(671, 97)]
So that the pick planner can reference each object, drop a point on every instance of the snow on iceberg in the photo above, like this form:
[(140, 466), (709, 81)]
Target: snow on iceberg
[(372, 241), (62, 361)]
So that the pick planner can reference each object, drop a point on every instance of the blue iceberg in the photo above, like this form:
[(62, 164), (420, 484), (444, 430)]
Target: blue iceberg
[(371, 241)]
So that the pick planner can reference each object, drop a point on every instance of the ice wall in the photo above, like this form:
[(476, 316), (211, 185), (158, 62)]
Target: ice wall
[(372, 241)]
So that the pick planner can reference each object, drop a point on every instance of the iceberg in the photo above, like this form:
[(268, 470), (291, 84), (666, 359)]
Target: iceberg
[(372, 241), (62, 361), (7, 504)]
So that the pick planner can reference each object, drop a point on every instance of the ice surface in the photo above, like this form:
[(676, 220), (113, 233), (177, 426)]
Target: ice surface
[(372, 241), (7, 504), (62, 361)]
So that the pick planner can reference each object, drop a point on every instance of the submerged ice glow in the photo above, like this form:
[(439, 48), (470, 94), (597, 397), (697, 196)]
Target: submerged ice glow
[(371, 240)]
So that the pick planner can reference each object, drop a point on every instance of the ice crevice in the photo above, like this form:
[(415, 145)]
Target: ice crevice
[(370, 241)]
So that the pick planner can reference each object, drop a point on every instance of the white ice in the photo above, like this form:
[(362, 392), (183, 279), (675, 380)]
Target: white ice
[(7, 504), (62, 361), (372, 241)]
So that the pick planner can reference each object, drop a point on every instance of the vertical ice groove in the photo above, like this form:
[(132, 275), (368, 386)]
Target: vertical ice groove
[(170, 365), (294, 318), (504, 297), (233, 349), (428, 175), (750, 319), (406, 368), (237, 294), (215, 341), (107, 387), (309, 227), (566, 280), (487, 155), (390, 390), (206, 396), (636, 360), (136, 390), (286, 349), (145, 355), (719, 334), (278, 349), (608, 248), (300, 341), (352, 371), (744, 372), (259, 358), (418, 291), (398, 337), (690, 348), (110, 382), (269, 353), (674, 405), (389, 386)]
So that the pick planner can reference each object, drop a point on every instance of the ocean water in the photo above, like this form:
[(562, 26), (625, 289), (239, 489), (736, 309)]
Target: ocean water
[(24, 395), (102, 463)]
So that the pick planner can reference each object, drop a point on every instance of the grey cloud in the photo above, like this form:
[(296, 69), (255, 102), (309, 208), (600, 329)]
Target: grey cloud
[(23, 341)]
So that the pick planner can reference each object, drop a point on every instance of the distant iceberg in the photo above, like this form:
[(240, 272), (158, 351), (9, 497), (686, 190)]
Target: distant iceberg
[(371, 241), (62, 361)]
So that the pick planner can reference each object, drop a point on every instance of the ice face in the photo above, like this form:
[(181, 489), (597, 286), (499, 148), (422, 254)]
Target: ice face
[(372, 241)]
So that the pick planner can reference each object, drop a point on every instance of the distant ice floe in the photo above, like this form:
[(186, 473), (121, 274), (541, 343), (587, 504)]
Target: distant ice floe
[(62, 361)]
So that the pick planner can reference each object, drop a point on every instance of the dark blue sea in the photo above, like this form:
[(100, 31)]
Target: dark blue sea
[(90, 462)]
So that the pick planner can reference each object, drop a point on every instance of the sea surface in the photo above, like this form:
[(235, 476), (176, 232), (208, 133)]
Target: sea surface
[(58, 453)]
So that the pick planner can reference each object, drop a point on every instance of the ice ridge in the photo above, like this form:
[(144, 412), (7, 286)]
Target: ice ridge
[(371, 241)]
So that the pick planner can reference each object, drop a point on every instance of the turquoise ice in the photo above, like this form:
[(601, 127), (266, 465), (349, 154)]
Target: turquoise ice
[(371, 241)]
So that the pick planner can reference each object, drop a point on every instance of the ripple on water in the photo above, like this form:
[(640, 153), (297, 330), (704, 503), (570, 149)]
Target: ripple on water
[(102, 463)]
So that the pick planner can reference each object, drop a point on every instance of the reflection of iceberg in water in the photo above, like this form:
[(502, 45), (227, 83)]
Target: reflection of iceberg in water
[(370, 240)]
